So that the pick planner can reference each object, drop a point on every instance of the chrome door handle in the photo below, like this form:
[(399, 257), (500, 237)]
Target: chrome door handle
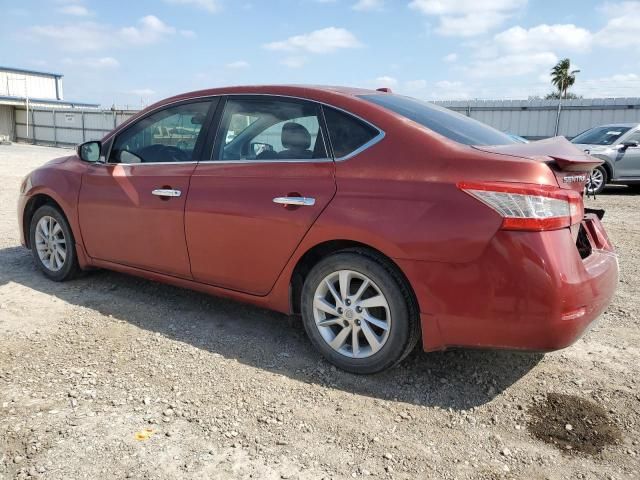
[(301, 201), (166, 192)]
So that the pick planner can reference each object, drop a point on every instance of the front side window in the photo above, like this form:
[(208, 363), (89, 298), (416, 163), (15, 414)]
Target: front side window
[(169, 135), (270, 129), (600, 135), (447, 123)]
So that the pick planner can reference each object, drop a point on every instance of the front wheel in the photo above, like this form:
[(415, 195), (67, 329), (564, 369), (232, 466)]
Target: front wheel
[(358, 312), (597, 180), (52, 244)]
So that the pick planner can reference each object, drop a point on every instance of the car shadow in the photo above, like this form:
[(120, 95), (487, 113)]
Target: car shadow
[(456, 379)]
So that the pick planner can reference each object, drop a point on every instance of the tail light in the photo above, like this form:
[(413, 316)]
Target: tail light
[(529, 207)]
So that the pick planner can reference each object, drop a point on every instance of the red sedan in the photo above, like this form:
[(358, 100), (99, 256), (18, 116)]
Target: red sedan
[(379, 218)]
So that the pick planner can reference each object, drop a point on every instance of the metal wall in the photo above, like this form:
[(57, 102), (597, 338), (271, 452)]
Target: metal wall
[(66, 127), (535, 119), (6, 123), (31, 85)]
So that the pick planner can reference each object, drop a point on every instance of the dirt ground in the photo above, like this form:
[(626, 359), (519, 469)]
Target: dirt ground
[(111, 376)]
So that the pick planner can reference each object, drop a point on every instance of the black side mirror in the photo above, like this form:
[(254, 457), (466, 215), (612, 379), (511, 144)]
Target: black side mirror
[(90, 151), (630, 144)]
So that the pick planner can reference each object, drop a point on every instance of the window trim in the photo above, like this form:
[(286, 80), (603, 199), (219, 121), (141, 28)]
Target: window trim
[(215, 115), (214, 102)]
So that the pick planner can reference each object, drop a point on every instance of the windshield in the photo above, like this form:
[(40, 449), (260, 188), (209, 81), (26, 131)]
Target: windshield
[(450, 124), (600, 135)]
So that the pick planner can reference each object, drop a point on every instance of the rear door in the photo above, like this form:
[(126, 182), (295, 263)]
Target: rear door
[(269, 178)]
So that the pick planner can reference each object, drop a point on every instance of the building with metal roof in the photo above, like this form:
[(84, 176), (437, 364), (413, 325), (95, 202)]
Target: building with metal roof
[(30, 89)]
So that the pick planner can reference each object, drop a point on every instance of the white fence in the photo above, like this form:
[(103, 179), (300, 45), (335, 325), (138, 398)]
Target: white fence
[(66, 127), (538, 118)]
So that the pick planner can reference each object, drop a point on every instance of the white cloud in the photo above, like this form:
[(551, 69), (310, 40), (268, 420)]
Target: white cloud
[(386, 81), (451, 58), (544, 37), (238, 65), (93, 36), (75, 10), (143, 92), (211, 6), (102, 62), (79, 37), (619, 85), (368, 5), (325, 40), (467, 18), (622, 28), (150, 30), (188, 33), (513, 65), (294, 62)]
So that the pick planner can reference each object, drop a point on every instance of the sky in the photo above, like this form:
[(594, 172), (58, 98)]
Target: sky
[(131, 53)]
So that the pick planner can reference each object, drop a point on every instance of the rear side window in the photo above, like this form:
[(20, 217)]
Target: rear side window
[(447, 123), (346, 132)]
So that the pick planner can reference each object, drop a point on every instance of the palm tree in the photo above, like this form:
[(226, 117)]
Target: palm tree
[(562, 77)]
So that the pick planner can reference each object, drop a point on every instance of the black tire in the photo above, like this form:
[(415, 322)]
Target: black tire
[(70, 267), (404, 330), (605, 178)]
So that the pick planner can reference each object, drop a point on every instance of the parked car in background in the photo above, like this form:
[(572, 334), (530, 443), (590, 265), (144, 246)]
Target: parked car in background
[(381, 219), (618, 145)]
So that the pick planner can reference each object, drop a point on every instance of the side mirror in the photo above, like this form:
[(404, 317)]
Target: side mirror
[(629, 144), (90, 151)]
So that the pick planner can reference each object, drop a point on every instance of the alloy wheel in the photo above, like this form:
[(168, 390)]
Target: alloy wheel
[(595, 181), (351, 314), (51, 244)]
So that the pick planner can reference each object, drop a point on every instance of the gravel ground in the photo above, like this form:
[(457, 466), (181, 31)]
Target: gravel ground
[(111, 376)]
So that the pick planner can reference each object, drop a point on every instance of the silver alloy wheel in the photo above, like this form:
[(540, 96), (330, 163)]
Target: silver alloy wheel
[(595, 181), (352, 314), (50, 243)]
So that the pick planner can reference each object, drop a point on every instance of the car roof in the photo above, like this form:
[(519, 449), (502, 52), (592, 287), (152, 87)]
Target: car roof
[(312, 92), (614, 125)]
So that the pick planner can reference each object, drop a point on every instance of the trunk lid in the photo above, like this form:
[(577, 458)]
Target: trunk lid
[(571, 165)]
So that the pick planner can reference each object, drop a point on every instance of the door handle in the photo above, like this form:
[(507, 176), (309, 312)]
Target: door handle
[(300, 201), (166, 192)]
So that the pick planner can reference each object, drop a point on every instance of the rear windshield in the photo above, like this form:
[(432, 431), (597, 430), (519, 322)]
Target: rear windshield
[(600, 135), (450, 124)]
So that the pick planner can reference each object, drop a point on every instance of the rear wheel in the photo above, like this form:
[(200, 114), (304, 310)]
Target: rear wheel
[(597, 180), (358, 312), (52, 244)]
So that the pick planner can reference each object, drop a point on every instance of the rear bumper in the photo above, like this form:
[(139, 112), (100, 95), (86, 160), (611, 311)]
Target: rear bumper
[(528, 291)]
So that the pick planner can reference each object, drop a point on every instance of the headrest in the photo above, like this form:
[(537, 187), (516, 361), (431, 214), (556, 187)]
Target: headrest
[(295, 136)]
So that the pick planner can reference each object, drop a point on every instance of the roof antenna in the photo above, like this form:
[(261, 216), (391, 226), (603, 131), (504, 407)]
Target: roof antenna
[(384, 89)]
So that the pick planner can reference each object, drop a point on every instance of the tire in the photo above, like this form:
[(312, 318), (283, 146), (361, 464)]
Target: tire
[(385, 308), (55, 256), (597, 180)]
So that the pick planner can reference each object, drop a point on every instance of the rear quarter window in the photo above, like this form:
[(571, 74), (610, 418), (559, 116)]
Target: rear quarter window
[(346, 132)]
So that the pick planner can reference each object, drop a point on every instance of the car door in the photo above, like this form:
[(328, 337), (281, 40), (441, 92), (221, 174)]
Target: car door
[(131, 206), (269, 178), (628, 159)]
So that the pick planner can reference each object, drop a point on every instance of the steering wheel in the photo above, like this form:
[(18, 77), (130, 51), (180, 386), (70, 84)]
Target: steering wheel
[(176, 154)]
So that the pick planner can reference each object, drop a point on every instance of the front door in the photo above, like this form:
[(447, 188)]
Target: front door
[(269, 179), (132, 207), (628, 159)]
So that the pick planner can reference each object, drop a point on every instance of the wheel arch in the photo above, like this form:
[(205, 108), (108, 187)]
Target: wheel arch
[(34, 203), (321, 250)]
